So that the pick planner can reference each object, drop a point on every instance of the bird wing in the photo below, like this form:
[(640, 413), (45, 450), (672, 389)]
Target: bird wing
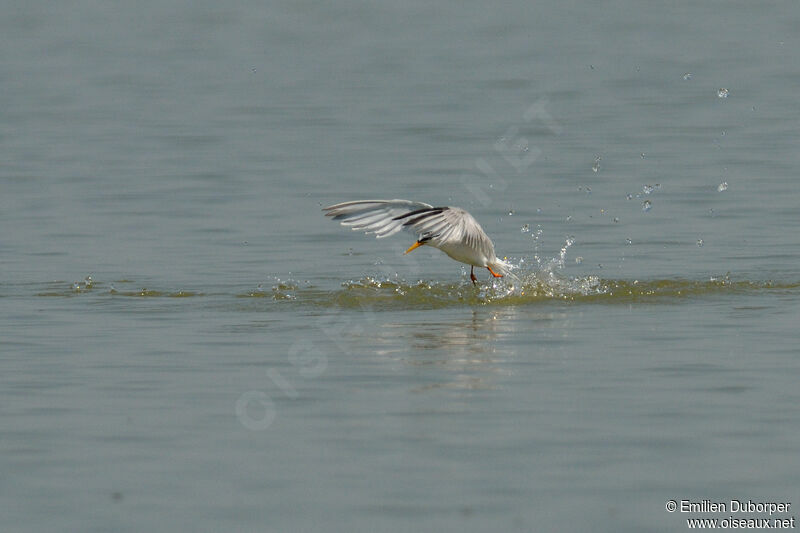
[(450, 226), (381, 217), (438, 226)]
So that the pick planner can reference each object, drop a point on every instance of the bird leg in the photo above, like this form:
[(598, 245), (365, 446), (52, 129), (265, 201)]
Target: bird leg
[(472, 275), (495, 274)]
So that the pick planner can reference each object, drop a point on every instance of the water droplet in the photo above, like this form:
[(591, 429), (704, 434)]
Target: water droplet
[(687, 76), (722, 186), (112, 289), (700, 242), (602, 211), (579, 260), (511, 212), (647, 189), (616, 219), (628, 241), (588, 190), (647, 205), (629, 196), (596, 165), (642, 155), (252, 69), (538, 210), (569, 218), (722, 93), (76, 286), (88, 282), (245, 243), (525, 228)]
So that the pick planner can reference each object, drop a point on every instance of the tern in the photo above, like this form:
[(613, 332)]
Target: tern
[(450, 229)]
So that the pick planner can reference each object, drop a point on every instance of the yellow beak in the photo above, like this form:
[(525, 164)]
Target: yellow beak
[(414, 247)]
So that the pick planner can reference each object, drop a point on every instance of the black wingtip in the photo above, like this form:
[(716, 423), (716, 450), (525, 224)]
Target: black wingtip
[(428, 213), (424, 210)]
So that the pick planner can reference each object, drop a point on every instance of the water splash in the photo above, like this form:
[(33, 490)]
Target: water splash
[(85, 285), (537, 287), (650, 189), (563, 254)]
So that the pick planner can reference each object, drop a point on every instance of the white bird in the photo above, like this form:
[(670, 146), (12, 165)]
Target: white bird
[(450, 229)]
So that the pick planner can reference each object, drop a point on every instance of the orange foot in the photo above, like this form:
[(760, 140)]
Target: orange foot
[(495, 274), (472, 275)]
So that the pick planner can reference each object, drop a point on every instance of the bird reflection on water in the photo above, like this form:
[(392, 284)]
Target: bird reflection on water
[(460, 353)]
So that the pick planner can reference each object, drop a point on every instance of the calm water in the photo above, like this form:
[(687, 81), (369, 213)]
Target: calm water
[(187, 344)]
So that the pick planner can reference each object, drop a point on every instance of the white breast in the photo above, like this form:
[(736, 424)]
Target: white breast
[(460, 251)]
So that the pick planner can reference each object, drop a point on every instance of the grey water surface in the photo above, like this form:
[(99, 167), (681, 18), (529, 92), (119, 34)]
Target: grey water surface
[(188, 344)]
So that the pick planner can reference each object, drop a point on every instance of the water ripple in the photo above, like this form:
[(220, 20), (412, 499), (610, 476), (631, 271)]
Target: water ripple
[(530, 288)]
